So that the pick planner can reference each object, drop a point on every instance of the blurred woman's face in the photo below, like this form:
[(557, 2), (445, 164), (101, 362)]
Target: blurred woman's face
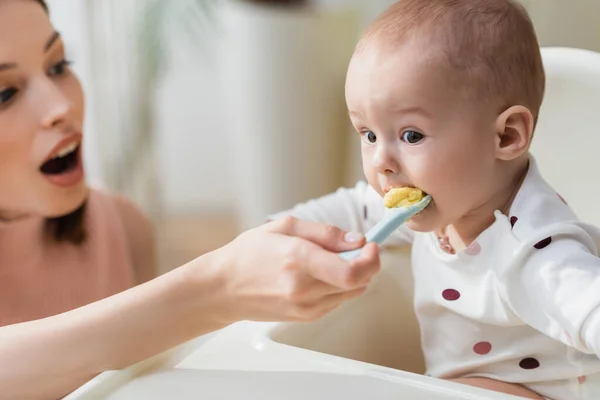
[(41, 117)]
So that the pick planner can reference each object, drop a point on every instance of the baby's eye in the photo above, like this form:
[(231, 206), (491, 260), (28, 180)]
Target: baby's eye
[(412, 137), (370, 136)]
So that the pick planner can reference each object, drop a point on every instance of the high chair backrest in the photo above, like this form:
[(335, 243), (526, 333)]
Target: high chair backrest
[(567, 139)]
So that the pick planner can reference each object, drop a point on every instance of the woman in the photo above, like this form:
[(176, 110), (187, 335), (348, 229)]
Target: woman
[(70, 256)]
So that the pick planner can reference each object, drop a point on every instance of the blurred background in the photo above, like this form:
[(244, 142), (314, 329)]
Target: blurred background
[(211, 114)]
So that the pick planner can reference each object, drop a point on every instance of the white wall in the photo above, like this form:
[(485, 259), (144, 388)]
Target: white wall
[(570, 23), (193, 158), (194, 154)]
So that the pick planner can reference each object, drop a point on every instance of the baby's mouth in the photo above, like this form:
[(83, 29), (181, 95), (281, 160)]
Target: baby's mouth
[(64, 161), (404, 196), (389, 188)]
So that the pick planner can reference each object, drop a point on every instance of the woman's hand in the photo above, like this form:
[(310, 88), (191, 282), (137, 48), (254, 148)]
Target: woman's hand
[(289, 270)]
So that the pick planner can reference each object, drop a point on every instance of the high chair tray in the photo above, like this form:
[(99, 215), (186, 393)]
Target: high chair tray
[(369, 347), (185, 384)]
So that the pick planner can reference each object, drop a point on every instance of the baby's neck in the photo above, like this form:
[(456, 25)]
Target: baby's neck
[(466, 230)]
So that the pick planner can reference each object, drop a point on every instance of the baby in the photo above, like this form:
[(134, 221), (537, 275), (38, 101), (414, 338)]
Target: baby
[(445, 96)]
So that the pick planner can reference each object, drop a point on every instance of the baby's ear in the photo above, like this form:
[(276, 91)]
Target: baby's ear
[(514, 129)]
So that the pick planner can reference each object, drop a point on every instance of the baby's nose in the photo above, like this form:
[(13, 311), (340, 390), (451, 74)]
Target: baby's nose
[(386, 162)]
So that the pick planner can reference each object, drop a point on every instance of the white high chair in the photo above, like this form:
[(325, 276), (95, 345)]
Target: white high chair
[(370, 346), (567, 141)]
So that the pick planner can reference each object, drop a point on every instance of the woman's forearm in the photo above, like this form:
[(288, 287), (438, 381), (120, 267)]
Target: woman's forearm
[(288, 270), (48, 358)]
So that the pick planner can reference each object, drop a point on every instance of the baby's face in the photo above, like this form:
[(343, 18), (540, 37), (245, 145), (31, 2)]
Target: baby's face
[(415, 132)]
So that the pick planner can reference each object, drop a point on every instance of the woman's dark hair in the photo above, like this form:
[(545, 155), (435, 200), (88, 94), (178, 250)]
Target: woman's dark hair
[(68, 228), (43, 4)]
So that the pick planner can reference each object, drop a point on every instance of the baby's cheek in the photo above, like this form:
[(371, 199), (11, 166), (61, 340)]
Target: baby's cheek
[(374, 183), (372, 179), (433, 179), (450, 192)]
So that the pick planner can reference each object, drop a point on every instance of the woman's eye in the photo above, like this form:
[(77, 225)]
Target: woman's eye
[(60, 68), (412, 137), (370, 136), (7, 94)]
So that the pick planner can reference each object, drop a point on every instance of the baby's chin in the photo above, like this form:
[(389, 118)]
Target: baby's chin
[(425, 221)]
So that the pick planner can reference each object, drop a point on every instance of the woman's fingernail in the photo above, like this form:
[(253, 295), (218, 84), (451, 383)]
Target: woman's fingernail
[(353, 237)]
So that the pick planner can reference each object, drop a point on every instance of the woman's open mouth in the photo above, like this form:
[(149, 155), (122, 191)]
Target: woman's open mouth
[(64, 168)]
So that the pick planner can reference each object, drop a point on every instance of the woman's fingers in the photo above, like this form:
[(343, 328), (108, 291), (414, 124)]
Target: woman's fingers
[(290, 270), (324, 305), (343, 275), (326, 236)]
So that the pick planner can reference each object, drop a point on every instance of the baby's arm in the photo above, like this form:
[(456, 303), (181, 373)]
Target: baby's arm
[(554, 285), (354, 210)]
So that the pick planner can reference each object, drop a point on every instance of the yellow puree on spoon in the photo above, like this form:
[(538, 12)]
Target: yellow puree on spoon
[(402, 197)]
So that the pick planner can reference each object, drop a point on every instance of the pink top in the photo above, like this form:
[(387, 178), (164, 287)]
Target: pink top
[(39, 278)]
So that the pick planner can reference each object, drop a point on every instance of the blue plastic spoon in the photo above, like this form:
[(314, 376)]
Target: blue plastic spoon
[(394, 217)]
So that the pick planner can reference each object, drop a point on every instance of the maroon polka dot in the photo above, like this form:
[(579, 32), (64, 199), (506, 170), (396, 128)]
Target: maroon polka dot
[(562, 199), (451, 294), (581, 379), (482, 348), (513, 221), (474, 249), (529, 363), (543, 243)]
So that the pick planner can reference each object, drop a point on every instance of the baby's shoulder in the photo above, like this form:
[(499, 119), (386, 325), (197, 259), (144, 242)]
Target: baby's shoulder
[(540, 223), (543, 228), (538, 209)]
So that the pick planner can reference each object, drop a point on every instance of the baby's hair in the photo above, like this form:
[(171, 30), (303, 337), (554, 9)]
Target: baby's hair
[(490, 46)]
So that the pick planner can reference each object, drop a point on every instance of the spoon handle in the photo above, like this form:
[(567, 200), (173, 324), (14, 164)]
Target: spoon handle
[(393, 219)]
